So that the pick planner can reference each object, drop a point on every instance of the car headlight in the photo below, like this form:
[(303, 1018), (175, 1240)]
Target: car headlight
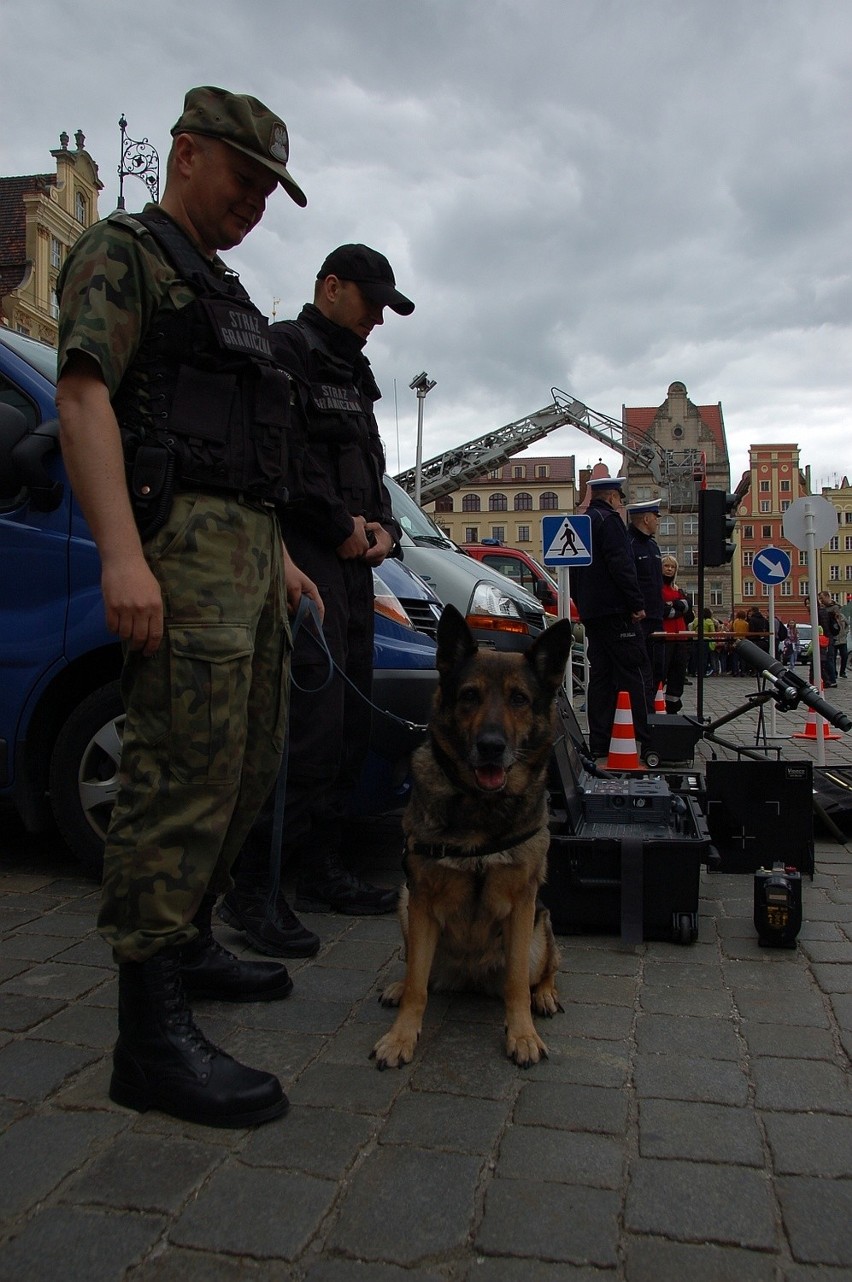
[(387, 603), (492, 609)]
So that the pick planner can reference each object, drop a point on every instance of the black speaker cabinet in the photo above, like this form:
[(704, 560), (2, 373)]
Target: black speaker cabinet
[(759, 812)]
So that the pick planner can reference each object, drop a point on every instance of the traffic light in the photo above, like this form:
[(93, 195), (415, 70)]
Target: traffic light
[(716, 522)]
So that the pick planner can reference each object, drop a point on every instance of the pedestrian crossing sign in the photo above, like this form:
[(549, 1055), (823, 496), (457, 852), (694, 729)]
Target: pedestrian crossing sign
[(567, 540)]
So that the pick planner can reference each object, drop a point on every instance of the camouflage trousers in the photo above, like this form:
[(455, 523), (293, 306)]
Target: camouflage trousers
[(205, 723)]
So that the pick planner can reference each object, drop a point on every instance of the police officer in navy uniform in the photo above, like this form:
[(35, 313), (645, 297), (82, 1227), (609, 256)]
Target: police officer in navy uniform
[(611, 605), (338, 525), (643, 519)]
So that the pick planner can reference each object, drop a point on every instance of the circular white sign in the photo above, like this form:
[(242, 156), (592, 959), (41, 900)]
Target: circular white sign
[(812, 512)]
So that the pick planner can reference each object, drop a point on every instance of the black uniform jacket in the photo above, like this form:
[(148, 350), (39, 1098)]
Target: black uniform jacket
[(609, 585)]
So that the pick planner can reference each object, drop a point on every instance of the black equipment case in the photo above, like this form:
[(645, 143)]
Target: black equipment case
[(625, 851), (759, 812)]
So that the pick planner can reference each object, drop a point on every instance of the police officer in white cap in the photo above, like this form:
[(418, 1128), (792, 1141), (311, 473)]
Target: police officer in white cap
[(611, 605), (643, 519)]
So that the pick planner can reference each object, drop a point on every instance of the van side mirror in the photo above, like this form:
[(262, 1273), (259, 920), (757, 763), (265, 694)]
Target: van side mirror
[(23, 455)]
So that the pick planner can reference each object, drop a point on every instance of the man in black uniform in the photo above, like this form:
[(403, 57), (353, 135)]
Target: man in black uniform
[(644, 518), (610, 604), (338, 525)]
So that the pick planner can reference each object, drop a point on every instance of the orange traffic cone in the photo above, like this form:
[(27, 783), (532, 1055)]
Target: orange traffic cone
[(623, 754), (660, 699), (810, 730)]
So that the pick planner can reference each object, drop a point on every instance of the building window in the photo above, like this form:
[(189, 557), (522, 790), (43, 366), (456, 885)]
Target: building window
[(834, 573), (470, 503), (715, 594), (748, 531), (54, 305), (444, 504), (849, 571), (803, 587), (847, 518), (690, 524), (785, 487), (803, 558), (471, 534), (765, 505), (786, 588), (496, 475), (848, 542), (498, 532), (748, 558), (519, 471), (523, 534), (497, 503), (668, 550), (548, 502), (80, 209), (542, 471), (690, 555), (766, 531), (764, 487), (748, 587), (667, 527), (785, 503), (523, 502), (55, 253), (834, 543)]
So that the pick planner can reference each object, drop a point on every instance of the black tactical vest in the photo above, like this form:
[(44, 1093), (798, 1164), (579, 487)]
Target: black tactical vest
[(217, 398)]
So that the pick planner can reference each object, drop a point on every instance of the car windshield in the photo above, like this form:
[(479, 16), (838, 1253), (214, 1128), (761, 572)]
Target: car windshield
[(39, 355), (417, 525)]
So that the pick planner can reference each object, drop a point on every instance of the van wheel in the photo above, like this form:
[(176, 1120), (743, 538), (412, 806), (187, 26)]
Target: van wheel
[(84, 774)]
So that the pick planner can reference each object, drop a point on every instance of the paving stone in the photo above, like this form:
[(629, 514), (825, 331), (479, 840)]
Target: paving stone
[(144, 1173), (558, 1222), (255, 1212), (609, 1023), (33, 1070), (819, 950), (595, 961), (350, 1045), (80, 1026), (692, 1201), (699, 1132), (810, 1144), (34, 948), (842, 1007), (19, 1014), (683, 1078), (611, 990), (572, 1108), (365, 1090), (706, 1003), (171, 1264), (54, 980), (39, 1151), (284, 1054), (358, 954), (560, 1157), (456, 1123), (684, 1035), (658, 1259), (319, 1141), (468, 1059), (405, 1205), (666, 972), (91, 951), (77, 1245), (492, 1268), (779, 1007), (576, 1059), (799, 1085), (817, 1216), (357, 1271), (327, 983), (66, 925), (296, 1015), (793, 1041)]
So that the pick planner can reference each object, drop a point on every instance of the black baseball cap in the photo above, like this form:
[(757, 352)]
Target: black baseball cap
[(371, 272)]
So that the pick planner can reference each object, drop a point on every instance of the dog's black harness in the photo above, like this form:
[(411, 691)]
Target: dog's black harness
[(445, 850)]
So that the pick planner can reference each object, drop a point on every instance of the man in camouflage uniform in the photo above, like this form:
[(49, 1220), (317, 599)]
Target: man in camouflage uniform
[(173, 428)]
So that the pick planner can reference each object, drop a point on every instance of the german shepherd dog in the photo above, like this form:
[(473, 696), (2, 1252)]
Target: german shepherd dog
[(476, 840)]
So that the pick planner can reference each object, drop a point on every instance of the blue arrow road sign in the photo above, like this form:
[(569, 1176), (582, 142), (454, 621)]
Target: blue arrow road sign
[(567, 540), (771, 565)]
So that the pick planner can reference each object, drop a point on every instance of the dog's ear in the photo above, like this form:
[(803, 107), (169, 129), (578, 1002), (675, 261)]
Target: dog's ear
[(548, 654), (455, 641)]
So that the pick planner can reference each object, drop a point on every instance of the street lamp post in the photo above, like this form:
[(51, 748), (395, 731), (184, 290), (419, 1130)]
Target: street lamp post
[(422, 385), (138, 160)]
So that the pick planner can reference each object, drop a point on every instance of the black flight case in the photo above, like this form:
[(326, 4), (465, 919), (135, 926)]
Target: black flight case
[(625, 851)]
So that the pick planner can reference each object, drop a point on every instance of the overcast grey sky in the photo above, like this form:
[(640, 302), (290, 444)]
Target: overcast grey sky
[(596, 195)]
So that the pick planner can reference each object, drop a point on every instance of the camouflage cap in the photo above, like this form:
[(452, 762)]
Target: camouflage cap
[(244, 123)]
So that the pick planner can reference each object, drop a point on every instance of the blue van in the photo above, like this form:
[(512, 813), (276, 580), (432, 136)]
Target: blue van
[(60, 708)]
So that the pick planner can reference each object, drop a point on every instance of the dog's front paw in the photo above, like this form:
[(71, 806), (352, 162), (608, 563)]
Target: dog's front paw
[(545, 1000), (526, 1049), (391, 995), (394, 1049)]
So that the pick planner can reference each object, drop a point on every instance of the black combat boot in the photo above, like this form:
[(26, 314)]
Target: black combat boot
[(324, 885), (209, 970), (275, 931), (163, 1061)]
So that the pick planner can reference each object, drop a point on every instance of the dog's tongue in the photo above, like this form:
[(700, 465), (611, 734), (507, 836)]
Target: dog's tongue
[(491, 778)]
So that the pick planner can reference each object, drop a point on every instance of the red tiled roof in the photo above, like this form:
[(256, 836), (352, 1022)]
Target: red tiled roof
[(641, 420), (561, 471), (13, 230)]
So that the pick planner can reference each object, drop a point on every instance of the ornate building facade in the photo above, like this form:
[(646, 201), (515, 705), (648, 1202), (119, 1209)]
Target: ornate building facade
[(41, 216)]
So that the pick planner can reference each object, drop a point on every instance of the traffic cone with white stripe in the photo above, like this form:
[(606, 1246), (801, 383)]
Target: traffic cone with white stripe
[(660, 699), (623, 753), (810, 730)]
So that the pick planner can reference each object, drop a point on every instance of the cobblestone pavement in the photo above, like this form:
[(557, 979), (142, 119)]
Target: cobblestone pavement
[(694, 1119)]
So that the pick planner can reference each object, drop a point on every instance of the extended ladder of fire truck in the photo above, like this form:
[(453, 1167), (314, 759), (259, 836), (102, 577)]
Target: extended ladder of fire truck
[(677, 472)]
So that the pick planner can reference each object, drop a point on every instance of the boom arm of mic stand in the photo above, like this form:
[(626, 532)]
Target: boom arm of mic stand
[(790, 688)]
